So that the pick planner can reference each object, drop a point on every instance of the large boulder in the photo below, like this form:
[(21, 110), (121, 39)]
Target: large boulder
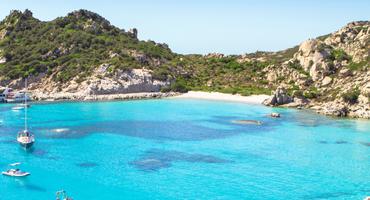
[(326, 81), (312, 55), (279, 97)]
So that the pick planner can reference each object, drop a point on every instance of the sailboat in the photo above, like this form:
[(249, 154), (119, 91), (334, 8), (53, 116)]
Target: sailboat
[(25, 138)]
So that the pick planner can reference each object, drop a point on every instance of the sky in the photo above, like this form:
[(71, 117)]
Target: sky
[(206, 26)]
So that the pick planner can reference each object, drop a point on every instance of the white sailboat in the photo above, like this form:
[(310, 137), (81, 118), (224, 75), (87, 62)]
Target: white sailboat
[(25, 138)]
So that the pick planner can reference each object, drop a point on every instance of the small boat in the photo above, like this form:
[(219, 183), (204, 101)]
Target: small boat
[(275, 115), (15, 173), (62, 195), (18, 97), (15, 164), (25, 138), (24, 105), (18, 108)]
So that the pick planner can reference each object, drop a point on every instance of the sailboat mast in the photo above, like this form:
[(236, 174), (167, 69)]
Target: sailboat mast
[(25, 106)]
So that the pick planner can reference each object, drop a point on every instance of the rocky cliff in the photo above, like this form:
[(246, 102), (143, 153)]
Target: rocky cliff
[(330, 72), (82, 55)]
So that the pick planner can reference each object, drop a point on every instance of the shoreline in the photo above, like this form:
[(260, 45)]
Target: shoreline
[(214, 96), (77, 97), (211, 96), (217, 96)]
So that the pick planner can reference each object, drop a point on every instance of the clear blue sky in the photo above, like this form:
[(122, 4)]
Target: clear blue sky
[(203, 26)]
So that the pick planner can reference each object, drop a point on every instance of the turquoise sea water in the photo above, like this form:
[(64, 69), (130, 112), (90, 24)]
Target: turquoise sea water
[(184, 149)]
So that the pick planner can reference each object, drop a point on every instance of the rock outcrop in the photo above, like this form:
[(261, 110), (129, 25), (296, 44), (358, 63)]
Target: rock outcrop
[(279, 97), (99, 85), (331, 73), (353, 39)]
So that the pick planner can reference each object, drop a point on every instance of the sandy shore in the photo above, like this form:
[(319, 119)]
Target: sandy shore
[(254, 99)]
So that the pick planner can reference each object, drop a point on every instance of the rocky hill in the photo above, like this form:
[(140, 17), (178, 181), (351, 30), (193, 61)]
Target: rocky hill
[(84, 54), (329, 74), (79, 53)]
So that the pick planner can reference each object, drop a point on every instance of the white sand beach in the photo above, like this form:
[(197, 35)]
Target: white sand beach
[(254, 99)]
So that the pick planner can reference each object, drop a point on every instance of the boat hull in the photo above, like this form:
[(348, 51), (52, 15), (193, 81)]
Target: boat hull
[(26, 145), (16, 175)]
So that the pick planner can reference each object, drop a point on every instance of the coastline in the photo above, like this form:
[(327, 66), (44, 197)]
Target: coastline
[(39, 97), (217, 96), (214, 96), (102, 97)]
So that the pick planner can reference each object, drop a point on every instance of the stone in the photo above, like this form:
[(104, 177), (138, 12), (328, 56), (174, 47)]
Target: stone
[(366, 90), (271, 77), (215, 55), (3, 33), (279, 97), (275, 115), (300, 100), (326, 81), (362, 99), (344, 72), (132, 33), (2, 60)]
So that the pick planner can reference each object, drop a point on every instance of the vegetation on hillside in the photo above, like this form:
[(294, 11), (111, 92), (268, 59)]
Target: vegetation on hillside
[(70, 45), (76, 45)]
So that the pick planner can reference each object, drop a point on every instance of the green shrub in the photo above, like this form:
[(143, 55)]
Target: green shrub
[(351, 96), (293, 89), (161, 74), (311, 93), (359, 66), (297, 93), (297, 66), (166, 89), (323, 37), (339, 55), (179, 86)]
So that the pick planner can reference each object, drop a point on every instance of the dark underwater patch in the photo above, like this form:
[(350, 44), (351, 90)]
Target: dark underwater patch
[(309, 119), (336, 142), (53, 157), (87, 164), (150, 164), (184, 131), (365, 144), (39, 152), (341, 142), (34, 188), (42, 154), (329, 195), (156, 159), (246, 122)]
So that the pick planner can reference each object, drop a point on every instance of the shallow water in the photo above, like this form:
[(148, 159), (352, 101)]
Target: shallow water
[(184, 149)]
